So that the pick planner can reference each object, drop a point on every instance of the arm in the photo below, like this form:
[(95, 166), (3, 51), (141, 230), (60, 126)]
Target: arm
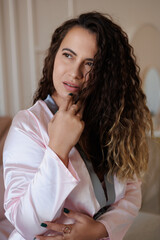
[(122, 214), (36, 181)]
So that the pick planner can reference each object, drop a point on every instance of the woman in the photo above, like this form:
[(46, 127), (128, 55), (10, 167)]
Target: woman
[(73, 162)]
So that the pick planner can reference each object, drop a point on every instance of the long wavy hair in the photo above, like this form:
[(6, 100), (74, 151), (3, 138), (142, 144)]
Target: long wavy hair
[(115, 112)]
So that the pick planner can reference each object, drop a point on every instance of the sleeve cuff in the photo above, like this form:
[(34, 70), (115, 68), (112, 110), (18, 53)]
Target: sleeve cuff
[(70, 170), (108, 229)]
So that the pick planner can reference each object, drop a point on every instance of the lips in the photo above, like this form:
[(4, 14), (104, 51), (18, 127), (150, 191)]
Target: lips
[(71, 87)]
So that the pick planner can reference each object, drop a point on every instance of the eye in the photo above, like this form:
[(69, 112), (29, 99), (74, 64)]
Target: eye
[(90, 64), (67, 55)]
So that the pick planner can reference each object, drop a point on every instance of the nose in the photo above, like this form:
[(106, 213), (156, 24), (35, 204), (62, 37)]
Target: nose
[(76, 71)]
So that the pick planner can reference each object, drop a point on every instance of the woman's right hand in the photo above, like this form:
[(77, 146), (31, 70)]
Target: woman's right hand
[(65, 129)]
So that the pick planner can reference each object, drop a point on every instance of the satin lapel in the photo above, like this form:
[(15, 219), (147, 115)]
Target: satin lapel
[(109, 182), (51, 104), (97, 186)]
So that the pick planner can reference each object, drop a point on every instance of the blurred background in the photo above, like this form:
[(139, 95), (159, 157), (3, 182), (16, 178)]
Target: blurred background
[(26, 27)]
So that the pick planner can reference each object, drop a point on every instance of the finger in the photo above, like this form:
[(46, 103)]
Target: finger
[(66, 102), (57, 237), (80, 114), (80, 110), (76, 108), (73, 109), (75, 215), (53, 226)]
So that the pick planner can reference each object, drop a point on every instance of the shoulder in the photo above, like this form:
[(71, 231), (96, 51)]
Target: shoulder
[(28, 133), (36, 114), (32, 121), (40, 111)]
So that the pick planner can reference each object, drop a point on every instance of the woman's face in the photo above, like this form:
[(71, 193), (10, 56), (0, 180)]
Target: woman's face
[(74, 59)]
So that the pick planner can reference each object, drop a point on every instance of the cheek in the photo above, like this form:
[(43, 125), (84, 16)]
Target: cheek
[(59, 70), (86, 77), (56, 73)]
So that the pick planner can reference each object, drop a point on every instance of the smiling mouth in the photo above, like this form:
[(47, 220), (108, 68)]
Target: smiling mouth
[(70, 85)]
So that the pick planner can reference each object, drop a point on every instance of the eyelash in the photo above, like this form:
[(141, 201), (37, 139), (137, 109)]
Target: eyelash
[(90, 64), (67, 55)]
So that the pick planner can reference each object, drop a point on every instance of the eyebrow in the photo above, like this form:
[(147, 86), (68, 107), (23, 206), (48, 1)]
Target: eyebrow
[(68, 49)]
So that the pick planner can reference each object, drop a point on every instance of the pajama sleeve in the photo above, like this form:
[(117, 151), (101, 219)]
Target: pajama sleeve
[(121, 215), (37, 183)]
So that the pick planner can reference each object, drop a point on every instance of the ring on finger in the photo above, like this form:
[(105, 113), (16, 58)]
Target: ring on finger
[(67, 229)]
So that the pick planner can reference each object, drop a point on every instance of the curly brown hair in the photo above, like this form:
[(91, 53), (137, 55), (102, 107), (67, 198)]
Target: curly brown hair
[(115, 112)]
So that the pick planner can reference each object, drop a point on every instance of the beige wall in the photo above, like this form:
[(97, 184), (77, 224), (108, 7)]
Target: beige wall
[(26, 27)]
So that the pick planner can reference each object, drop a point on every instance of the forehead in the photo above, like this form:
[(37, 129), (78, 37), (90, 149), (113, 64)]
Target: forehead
[(79, 38)]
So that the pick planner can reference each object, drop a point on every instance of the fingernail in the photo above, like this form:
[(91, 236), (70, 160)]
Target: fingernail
[(43, 225), (66, 210), (71, 94)]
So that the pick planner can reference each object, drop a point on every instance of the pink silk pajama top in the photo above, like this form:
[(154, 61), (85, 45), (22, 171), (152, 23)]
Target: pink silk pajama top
[(38, 185)]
